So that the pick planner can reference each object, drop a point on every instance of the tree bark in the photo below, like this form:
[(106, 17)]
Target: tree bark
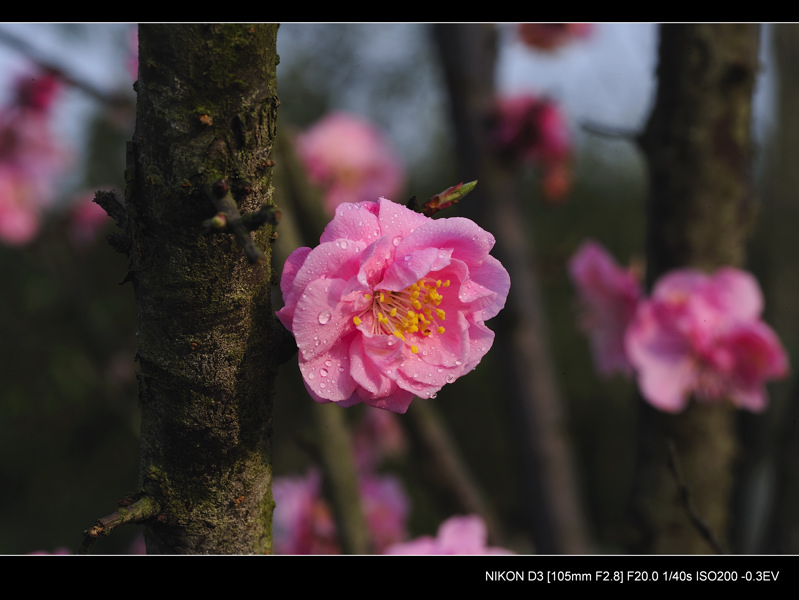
[(698, 149), (207, 338)]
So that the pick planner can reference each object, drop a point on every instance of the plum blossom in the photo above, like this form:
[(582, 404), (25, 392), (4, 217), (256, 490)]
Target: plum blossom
[(30, 160), (376, 437), (303, 522), (609, 296), (456, 535), (350, 159), (551, 36), (702, 334), (391, 304), (528, 129)]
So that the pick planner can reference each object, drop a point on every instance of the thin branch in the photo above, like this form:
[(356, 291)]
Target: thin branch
[(142, 510), (34, 54), (685, 495)]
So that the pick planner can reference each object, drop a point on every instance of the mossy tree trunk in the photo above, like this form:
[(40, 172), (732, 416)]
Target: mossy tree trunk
[(698, 149), (207, 339)]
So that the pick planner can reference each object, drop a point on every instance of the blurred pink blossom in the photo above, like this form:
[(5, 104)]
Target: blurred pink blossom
[(30, 159), (350, 159), (303, 522), (456, 535), (551, 36), (702, 334), (609, 296), (527, 129), (385, 507), (377, 436), (62, 551)]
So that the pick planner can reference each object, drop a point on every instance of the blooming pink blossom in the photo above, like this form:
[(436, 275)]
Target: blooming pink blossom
[(350, 159), (551, 36), (456, 535), (702, 334), (30, 160), (303, 522), (391, 304), (609, 296), (377, 436), (531, 130)]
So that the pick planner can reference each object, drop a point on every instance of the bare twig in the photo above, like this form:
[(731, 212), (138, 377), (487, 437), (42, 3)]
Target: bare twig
[(685, 495), (143, 509)]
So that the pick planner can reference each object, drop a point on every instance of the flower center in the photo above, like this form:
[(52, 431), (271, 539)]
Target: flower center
[(413, 310)]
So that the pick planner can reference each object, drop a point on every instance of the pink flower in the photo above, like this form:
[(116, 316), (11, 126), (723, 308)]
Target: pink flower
[(303, 522), (702, 334), (456, 535), (350, 159), (609, 296), (377, 436), (385, 506), (30, 160), (391, 304), (532, 130), (551, 36)]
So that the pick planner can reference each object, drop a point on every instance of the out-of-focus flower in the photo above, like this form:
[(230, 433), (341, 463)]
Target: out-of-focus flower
[(385, 507), (30, 160), (551, 36), (391, 304), (527, 129), (59, 551), (609, 296), (86, 219), (376, 437), (350, 159), (456, 535), (702, 334), (303, 523)]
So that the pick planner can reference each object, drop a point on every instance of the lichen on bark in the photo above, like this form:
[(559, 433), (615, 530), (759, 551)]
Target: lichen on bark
[(206, 110)]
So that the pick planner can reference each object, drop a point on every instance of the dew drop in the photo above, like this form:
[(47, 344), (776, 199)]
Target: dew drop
[(323, 372), (397, 240), (322, 385), (344, 244), (433, 395), (450, 378), (328, 363), (311, 375), (324, 317), (458, 363)]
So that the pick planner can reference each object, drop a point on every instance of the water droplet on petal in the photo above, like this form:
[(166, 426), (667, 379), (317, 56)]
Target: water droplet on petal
[(450, 378), (328, 363), (459, 363), (310, 376), (433, 395), (324, 317), (344, 244), (323, 372), (397, 240)]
